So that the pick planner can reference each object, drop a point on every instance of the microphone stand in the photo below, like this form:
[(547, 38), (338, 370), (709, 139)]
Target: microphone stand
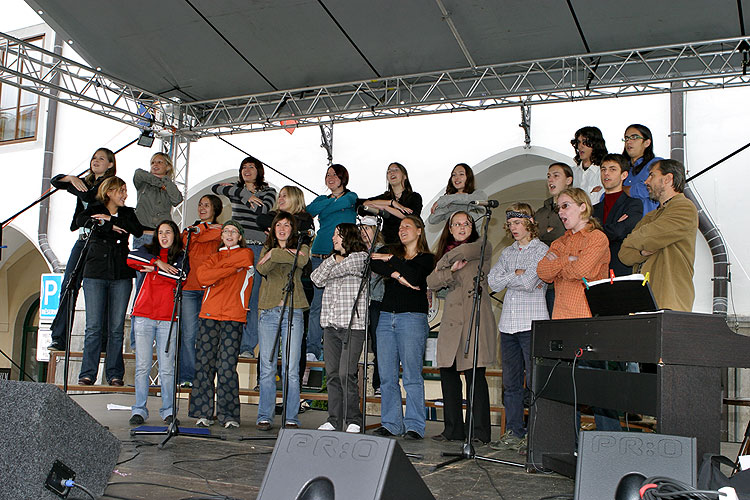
[(174, 427), (364, 284), (288, 299), (69, 294), (467, 449)]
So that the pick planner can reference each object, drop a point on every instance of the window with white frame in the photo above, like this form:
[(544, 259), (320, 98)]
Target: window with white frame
[(19, 109)]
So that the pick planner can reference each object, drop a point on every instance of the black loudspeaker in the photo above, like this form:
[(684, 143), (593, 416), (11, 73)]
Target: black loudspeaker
[(605, 457), (44, 426), (324, 465)]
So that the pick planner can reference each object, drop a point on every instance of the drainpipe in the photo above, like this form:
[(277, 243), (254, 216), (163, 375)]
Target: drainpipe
[(706, 226), (49, 153)]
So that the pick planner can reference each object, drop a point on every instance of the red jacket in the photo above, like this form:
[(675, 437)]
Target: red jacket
[(203, 244), (227, 277), (155, 299)]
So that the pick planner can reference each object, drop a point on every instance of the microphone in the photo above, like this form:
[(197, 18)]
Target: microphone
[(192, 229), (308, 232), (364, 210), (485, 203)]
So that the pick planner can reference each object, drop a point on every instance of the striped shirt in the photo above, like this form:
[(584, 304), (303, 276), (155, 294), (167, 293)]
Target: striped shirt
[(524, 301), (242, 212), (341, 281), (591, 249)]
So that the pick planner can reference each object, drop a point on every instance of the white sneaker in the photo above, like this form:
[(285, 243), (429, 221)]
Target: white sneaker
[(231, 423), (353, 428), (247, 354), (327, 427), (311, 357), (204, 422)]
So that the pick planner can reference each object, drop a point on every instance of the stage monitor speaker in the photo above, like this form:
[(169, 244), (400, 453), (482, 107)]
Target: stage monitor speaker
[(44, 427), (605, 457), (305, 463)]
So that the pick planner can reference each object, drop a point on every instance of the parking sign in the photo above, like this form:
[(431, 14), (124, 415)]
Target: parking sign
[(49, 294)]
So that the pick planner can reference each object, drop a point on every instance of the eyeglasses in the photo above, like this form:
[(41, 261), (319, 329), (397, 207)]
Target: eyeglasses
[(585, 142), (633, 137), (461, 224), (230, 231), (564, 205)]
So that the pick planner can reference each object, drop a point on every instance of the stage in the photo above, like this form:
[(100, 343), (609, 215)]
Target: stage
[(234, 469)]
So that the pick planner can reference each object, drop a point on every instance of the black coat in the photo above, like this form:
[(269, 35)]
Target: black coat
[(617, 231), (83, 198), (107, 253)]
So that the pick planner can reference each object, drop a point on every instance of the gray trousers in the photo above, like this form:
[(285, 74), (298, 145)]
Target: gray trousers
[(341, 375)]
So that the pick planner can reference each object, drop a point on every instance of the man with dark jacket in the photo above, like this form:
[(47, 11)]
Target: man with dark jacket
[(618, 212)]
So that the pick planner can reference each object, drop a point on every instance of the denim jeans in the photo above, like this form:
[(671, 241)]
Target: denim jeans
[(191, 307), (250, 330), (111, 296), (314, 330), (401, 338), (146, 331), (267, 327), (138, 242), (516, 357)]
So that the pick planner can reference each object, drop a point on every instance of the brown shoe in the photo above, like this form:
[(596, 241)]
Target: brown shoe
[(85, 381), (116, 381), (291, 425)]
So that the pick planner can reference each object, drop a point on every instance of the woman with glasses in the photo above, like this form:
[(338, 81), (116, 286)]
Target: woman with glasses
[(399, 200), (227, 278), (458, 195), (581, 253), (590, 148), (640, 149), (458, 253)]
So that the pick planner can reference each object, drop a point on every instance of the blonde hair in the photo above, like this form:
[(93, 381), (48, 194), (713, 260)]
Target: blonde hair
[(108, 185), (296, 200), (531, 226), (167, 160), (580, 197)]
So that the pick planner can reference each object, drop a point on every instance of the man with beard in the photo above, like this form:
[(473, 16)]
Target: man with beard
[(663, 242)]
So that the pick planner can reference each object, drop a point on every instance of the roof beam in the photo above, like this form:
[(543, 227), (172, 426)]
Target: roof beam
[(449, 21)]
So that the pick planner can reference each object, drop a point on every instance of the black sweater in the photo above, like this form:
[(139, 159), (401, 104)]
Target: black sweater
[(399, 298), (107, 254)]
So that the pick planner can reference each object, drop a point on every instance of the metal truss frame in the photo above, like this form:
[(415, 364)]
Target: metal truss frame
[(700, 65), (35, 70)]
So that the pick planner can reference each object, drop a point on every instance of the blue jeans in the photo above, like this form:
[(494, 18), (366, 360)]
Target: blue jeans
[(191, 307), (314, 330), (516, 357), (250, 330), (146, 331), (401, 338), (267, 327), (112, 296), (138, 242)]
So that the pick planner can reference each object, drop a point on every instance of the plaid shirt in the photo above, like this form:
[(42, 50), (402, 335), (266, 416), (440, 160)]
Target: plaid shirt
[(341, 281), (524, 300), (591, 249)]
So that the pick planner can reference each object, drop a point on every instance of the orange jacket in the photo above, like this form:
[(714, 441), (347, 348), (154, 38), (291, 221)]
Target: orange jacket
[(203, 244), (227, 277)]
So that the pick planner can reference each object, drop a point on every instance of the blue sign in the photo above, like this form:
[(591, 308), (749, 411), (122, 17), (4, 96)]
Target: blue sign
[(49, 295)]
